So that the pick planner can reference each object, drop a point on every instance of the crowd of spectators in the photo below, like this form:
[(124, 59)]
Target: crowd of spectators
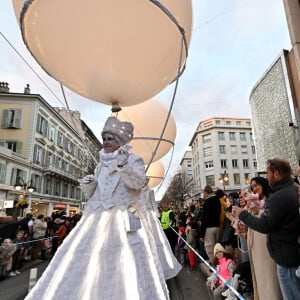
[(31, 239), (234, 244)]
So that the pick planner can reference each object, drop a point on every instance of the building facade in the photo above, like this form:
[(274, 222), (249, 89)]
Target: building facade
[(42, 147), (274, 114), (187, 173), (223, 154)]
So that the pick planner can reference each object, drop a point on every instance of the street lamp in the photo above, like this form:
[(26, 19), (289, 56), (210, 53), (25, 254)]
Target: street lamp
[(224, 179), (28, 188)]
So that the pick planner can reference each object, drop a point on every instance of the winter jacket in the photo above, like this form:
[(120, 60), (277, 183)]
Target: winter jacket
[(281, 223), (211, 213), (39, 229)]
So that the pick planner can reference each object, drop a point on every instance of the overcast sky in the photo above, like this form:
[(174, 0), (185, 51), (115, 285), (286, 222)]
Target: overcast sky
[(233, 43)]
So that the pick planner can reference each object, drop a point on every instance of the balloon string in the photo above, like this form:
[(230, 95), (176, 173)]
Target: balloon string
[(173, 19), (166, 171)]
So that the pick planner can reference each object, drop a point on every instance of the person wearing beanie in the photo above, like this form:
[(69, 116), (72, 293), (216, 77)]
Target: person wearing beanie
[(225, 265), (111, 248)]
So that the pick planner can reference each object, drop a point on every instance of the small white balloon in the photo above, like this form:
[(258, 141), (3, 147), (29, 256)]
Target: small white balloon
[(155, 173), (148, 119)]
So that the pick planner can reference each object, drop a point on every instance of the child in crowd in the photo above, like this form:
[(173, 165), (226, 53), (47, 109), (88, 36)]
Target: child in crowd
[(181, 244), (18, 256), (225, 266), (7, 249), (191, 234)]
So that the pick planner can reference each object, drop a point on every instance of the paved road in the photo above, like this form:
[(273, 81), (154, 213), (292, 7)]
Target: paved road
[(186, 286), (16, 288)]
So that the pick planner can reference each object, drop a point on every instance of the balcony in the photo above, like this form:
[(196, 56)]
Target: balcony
[(52, 170)]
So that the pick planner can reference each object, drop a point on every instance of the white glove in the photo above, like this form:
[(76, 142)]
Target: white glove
[(87, 179), (122, 157)]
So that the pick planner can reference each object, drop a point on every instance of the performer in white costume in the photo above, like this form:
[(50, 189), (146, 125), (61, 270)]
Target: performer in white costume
[(111, 253)]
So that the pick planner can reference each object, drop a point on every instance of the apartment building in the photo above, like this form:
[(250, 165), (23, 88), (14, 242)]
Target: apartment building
[(187, 172), (42, 147), (223, 154)]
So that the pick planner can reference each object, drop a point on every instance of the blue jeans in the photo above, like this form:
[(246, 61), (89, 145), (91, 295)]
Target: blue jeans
[(289, 283)]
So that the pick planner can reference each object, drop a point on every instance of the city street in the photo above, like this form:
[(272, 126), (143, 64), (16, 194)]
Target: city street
[(186, 286), (16, 288)]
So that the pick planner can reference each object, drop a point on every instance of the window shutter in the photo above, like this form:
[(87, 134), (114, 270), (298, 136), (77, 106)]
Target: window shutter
[(35, 154), (13, 176), (45, 128), (2, 172), (17, 118), (5, 118), (19, 147), (38, 123)]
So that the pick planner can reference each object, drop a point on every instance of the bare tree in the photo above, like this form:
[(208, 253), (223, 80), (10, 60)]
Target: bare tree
[(179, 187)]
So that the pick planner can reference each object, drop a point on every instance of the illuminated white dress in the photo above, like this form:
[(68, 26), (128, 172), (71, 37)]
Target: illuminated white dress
[(169, 263), (101, 259)]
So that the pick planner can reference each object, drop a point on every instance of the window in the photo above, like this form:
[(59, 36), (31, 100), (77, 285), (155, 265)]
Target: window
[(253, 149), (38, 155), (210, 180), (242, 136), (36, 182), (251, 136), (221, 136), (248, 123), (228, 122), (52, 133), (2, 171), (207, 151), (232, 136), (236, 178), (206, 138), (223, 164), (235, 163), (57, 187), (59, 162), (48, 186), (233, 149), (244, 149), (14, 146), (72, 192), (17, 173), (50, 158), (11, 118), (60, 139), (222, 149), (41, 126), (65, 190), (218, 122), (247, 178), (238, 123), (255, 164), (245, 163), (209, 165)]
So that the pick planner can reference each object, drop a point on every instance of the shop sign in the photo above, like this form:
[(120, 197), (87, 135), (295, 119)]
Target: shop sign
[(60, 206), (8, 204)]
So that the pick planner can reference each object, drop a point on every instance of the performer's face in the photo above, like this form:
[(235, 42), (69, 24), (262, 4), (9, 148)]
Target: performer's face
[(109, 143)]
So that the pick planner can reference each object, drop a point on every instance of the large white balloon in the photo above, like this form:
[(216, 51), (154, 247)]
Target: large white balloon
[(155, 173), (149, 119), (108, 50), (18, 5)]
